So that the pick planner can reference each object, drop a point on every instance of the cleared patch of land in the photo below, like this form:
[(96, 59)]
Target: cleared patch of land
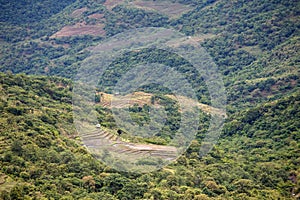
[(134, 152), (3, 144), (118, 101), (191, 40), (254, 50), (141, 98), (96, 16), (6, 183), (189, 103), (168, 8), (78, 12), (202, 37), (109, 4), (80, 29), (98, 140)]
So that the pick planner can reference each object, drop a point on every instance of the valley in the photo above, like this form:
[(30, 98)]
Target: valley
[(45, 155)]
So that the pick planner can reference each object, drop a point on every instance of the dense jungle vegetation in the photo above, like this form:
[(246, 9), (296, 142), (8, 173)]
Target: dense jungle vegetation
[(255, 45)]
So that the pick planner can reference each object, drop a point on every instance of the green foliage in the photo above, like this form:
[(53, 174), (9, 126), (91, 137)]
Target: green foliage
[(252, 42), (19, 12), (128, 18), (252, 159), (149, 55), (255, 46)]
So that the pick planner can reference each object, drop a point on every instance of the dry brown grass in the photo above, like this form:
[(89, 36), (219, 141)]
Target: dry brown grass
[(142, 98), (119, 101)]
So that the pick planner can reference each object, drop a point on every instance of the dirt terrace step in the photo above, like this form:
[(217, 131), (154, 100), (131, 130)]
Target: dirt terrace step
[(96, 134)]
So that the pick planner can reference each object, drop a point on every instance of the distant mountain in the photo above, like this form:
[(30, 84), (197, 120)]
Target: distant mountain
[(251, 41)]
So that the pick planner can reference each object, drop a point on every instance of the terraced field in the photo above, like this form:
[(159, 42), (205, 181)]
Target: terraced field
[(115, 144), (6, 183), (168, 8), (3, 145), (108, 144), (141, 98), (80, 29), (127, 156)]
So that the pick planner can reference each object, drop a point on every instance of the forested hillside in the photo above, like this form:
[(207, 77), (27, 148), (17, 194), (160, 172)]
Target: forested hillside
[(255, 45), (256, 157)]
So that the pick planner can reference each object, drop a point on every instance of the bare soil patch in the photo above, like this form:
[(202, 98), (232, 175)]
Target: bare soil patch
[(168, 8), (78, 12), (80, 29), (96, 16)]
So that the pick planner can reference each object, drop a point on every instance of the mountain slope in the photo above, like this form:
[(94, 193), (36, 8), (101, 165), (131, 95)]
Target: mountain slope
[(251, 42), (255, 45), (259, 149)]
